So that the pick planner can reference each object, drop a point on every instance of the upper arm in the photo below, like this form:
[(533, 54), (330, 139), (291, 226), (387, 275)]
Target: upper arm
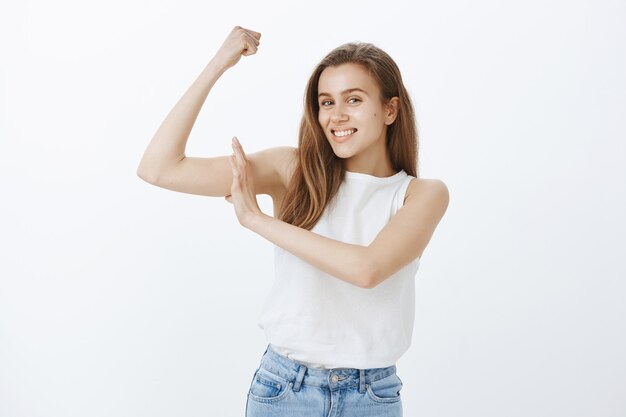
[(405, 236), (213, 176)]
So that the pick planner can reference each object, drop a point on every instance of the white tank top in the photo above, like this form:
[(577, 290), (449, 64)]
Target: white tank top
[(324, 322)]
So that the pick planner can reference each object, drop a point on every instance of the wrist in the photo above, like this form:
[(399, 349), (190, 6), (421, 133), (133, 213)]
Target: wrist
[(216, 66), (254, 220)]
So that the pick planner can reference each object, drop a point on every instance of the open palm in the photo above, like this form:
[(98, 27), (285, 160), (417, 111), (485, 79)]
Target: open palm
[(242, 191)]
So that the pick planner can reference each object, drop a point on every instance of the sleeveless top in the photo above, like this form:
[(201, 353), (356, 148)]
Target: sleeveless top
[(324, 322)]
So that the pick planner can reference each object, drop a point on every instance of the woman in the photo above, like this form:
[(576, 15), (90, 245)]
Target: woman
[(352, 220)]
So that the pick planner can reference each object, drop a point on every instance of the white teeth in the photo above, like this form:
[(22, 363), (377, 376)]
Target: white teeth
[(344, 132)]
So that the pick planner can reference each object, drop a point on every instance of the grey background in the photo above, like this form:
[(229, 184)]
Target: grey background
[(118, 298)]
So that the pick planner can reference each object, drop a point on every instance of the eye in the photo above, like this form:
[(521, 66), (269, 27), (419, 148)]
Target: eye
[(328, 101)]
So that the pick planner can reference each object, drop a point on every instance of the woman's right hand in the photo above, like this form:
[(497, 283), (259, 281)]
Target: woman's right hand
[(239, 42)]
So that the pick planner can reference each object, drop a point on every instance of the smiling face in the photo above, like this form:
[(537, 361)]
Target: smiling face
[(354, 118)]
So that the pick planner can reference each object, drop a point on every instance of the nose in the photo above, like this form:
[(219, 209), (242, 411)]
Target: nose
[(337, 114)]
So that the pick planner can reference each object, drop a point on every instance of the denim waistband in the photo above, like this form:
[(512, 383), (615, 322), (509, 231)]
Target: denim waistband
[(335, 378)]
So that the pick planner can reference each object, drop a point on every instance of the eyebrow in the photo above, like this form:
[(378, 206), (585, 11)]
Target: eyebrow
[(349, 90)]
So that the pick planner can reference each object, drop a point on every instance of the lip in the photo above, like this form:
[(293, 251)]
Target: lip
[(342, 128), (342, 138)]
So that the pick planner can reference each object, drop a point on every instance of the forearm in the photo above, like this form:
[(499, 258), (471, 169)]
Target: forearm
[(167, 146), (345, 261)]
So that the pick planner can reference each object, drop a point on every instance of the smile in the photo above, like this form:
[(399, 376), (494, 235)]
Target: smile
[(342, 135), (344, 132)]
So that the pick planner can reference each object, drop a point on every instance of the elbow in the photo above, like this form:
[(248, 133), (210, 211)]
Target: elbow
[(148, 175), (155, 173), (145, 176)]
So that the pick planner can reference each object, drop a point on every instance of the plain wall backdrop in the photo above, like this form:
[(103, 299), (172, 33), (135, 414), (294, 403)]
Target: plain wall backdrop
[(119, 298)]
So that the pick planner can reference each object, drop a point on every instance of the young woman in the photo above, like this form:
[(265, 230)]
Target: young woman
[(352, 220)]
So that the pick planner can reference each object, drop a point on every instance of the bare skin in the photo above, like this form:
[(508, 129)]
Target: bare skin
[(343, 108), (240, 177), (406, 235), (164, 162)]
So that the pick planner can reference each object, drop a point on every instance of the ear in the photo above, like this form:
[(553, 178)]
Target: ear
[(392, 108)]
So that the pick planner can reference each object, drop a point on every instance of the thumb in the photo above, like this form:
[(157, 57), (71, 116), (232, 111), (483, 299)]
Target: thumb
[(229, 198)]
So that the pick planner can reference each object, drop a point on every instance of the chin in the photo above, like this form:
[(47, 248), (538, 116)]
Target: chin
[(339, 153), (342, 155)]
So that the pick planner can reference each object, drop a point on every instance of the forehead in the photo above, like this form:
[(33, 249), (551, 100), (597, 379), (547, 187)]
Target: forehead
[(334, 80)]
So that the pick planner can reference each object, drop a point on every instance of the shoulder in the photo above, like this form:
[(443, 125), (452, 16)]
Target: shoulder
[(430, 189)]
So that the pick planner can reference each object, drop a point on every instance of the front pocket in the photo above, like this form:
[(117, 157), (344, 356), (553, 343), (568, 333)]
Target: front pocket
[(267, 387), (385, 390)]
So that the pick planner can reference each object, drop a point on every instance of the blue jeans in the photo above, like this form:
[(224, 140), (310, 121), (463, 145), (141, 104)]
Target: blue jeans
[(282, 387)]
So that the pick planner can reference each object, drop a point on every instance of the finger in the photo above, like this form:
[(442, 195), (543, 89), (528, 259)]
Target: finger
[(254, 40), (233, 165), (239, 160), (238, 154), (257, 35), (249, 49), (240, 148), (250, 45)]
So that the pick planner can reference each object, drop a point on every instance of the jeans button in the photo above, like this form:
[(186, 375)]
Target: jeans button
[(334, 379)]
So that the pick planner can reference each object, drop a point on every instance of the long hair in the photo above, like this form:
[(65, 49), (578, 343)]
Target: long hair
[(319, 172)]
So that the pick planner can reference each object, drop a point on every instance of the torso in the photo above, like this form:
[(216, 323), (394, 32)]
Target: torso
[(288, 169), (286, 172), (278, 200)]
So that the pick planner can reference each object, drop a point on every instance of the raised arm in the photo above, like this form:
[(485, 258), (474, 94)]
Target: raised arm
[(164, 162)]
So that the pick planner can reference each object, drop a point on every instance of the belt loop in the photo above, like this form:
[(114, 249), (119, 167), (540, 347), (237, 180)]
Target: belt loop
[(299, 378), (362, 380)]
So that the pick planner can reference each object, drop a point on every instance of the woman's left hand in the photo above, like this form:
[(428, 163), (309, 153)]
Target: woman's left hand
[(241, 191)]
